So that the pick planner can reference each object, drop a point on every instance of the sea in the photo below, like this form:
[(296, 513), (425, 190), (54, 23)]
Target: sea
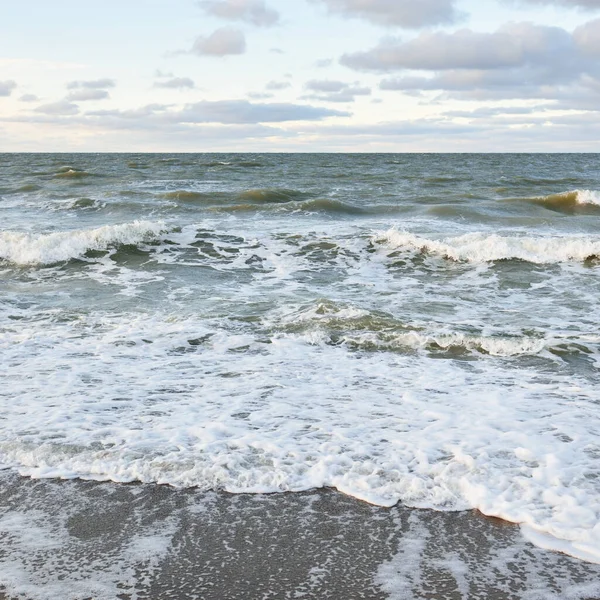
[(419, 330)]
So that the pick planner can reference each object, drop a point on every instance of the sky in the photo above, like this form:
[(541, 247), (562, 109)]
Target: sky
[(300, 76)]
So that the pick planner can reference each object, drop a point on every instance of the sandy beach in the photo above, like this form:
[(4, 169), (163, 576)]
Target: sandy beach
[(80, 540)]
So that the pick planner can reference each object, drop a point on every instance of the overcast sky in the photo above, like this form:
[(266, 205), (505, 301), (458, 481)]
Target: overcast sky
[(300, 75)]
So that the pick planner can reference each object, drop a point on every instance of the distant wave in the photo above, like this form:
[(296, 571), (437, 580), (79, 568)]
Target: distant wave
[(71, 173), (280, 203), (571, 201), (253, 196), (270, 196), (482, 247), (26, 249)]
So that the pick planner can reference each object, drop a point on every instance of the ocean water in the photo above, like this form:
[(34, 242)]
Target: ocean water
[(415, 329)]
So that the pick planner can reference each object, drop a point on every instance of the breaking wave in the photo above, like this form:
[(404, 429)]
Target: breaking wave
[(25, 249), (482, 248), (359, 329), (569, 202)]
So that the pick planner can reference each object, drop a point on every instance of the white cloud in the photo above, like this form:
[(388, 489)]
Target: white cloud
[(61, 108), (519, 60), (222, 42), (278, 85), (326, 90), (84, 95), (581, 4), (250, 11), (92, 85), (176, 83), (587, 38), (514, 44), (28, 98), (402, 13), (6, 87), (226, 112)]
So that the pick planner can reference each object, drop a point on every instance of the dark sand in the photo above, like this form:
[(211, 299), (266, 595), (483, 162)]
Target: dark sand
[(75, 539)]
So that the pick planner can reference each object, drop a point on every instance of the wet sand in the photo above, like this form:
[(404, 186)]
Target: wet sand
[(78, 540)]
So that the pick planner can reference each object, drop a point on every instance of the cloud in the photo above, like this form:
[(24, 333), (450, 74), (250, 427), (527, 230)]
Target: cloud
[(259, 95), (222, 42), (28, 98), (587, 37), (411, 14), (255, 12), (581, 4), (326, 90), (323, 63), (242, 111), (278, 85), (95, 84), (58, 109), (176, 83), (6, 87), (519, 60), (227, 112), (514, 44), (83, 95)]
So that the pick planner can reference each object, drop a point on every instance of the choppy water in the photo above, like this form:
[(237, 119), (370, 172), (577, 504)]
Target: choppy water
[(421, 329)]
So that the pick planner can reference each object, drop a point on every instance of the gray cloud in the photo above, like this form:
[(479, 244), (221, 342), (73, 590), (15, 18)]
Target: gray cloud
[(514, 44), (92, 85), (587, 38), (403, 13), (581, 4), (176, 83), (326, 90), (519, 60), (222, 42), (62, 108), (250, 11), (28, 98), (227, 112), (6, 87), (83, 95), (278, 85)]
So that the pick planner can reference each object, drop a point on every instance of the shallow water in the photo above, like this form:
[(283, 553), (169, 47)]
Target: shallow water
[(422, 329)]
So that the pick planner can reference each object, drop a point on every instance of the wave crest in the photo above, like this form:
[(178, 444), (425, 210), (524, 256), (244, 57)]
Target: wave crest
[(25, 249), (569, 202), (482, 247)]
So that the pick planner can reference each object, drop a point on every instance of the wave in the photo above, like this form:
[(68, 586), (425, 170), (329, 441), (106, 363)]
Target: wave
[(252, 197), (452, 343), (569, 202), (327, 205), (270, 196), (24, 249), (187, 196), (482, 247), (71, 173), (328, 323)]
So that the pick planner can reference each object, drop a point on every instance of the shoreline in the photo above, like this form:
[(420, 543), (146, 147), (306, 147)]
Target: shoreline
[(74, 539)]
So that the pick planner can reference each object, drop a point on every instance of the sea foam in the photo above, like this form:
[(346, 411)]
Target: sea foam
[(27, 249), (490, 247)]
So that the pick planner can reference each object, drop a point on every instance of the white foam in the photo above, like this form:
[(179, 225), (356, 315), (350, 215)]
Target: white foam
[(233, 412), (489, 247), (588, 197), (26, 249)]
